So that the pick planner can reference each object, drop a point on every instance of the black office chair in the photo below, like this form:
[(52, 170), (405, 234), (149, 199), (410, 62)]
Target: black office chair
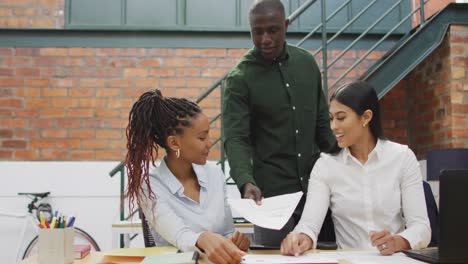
[(327, 239), (147, 235), (433, 214)]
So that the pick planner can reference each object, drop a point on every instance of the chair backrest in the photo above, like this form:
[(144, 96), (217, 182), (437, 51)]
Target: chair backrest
[(432, 213), (147, 235), (440, 159)]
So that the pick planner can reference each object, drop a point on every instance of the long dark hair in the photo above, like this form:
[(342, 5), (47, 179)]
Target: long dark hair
[(151, 120), (361, 96)]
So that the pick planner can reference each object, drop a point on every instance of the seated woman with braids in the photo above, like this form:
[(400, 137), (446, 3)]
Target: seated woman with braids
[(184, 198)]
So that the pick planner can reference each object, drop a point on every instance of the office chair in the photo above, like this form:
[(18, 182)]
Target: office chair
[(432, 213), (440, 159), (147, 235), (326, 239)]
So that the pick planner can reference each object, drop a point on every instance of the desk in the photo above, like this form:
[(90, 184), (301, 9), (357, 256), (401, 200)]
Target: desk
[(98, 258)]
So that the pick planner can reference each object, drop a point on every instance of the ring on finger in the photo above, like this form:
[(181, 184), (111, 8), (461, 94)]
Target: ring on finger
[(384, 246)]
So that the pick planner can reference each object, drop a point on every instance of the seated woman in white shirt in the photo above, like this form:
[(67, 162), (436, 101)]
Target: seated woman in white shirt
[(372, 185), (184, 198)]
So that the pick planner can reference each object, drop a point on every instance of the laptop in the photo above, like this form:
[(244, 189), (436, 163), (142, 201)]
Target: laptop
[(453, 216)]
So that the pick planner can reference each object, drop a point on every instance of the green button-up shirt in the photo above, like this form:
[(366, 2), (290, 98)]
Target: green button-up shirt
[(276, 121)]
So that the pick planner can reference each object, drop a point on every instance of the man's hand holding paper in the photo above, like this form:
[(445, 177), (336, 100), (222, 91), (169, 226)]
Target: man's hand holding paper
[(273, 213)]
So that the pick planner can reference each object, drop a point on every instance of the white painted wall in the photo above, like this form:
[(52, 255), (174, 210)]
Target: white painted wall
[(83, 189)]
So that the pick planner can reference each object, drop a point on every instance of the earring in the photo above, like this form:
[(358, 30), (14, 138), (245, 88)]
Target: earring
[(364, 125), (177, 153)]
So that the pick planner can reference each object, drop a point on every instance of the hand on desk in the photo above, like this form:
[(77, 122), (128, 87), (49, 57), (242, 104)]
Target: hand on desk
[(295, 244), (387, 243), (219, 249), (240, 240)]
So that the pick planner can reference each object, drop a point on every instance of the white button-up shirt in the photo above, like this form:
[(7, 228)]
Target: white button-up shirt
[(385, 193), (177, 219)]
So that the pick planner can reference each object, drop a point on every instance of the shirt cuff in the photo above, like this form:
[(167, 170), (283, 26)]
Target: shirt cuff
[(190, 242), (415, 240), (302, 229)]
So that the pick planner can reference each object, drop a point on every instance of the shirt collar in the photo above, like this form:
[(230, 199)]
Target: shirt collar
[(284, 56), (376, 152), (174, 185)]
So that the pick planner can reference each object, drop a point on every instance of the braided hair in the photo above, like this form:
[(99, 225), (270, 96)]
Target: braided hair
[(152, 119)]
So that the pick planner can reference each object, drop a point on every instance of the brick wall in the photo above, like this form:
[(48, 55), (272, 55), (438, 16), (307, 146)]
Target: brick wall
[(433, 99), (73, 103), (394, 114), (32, 13)]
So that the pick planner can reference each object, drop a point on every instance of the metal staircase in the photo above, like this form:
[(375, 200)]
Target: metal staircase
[(414, 48)]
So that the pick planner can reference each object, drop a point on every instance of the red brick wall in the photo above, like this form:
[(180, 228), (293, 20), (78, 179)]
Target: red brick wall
[(430, 8), (394, 108), (32, 13), (433, 99), (73, 103)]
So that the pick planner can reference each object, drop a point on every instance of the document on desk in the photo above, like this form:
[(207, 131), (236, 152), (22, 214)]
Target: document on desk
[(274, 212), (369, 257), (277, 259)]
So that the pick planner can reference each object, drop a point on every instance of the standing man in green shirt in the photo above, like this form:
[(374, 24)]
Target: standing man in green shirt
[(275, 116)]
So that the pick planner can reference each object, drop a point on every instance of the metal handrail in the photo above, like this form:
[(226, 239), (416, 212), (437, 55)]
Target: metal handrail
[(347, 25), (364, 33), (300, 10), (300, 42), (373, 47)]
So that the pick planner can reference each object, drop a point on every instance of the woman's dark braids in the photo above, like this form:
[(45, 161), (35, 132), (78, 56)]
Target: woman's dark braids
[(151, 120)]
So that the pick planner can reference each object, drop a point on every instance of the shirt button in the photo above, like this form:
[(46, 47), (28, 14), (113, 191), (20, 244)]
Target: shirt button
[(294, 108), (280, 64), (299, 155), (287, 84), (297, 131)]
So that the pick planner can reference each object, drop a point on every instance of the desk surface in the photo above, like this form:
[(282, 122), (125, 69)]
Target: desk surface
[(100, 258)]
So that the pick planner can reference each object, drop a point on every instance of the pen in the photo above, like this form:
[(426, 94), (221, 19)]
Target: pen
[(41, 218), (53, 222), (71, 221), (195, 256)]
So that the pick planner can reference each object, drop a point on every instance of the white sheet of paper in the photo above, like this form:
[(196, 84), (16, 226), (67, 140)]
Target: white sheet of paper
[(274, 259), (369, 257), (274, 212)]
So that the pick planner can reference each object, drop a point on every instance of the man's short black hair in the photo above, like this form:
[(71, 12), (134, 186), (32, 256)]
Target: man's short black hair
[(264, 6)]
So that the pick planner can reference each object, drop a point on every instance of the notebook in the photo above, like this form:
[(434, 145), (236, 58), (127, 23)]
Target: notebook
[(453, 214)]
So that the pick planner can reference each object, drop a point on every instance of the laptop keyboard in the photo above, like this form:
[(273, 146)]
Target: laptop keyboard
[(431, 253)]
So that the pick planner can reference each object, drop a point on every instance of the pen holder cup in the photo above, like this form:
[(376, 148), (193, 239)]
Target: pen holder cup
[(56, 246)]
